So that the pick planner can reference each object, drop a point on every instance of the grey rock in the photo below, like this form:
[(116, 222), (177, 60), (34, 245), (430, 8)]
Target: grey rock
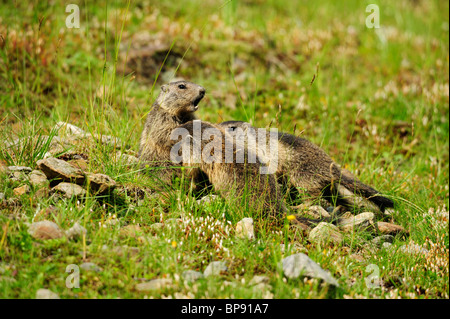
[(191, 275), (363, 221), (76, 231), (390, 229), (244, 229), (207, 199), (22, 169), (69, 190), (127, 159), (318, 212), (100, 183), (378, 241), (45, 230), (69, 129), (38, 179), (19, 191), (257, 280), (90, 267), (55, 168), (46, 294), (300, 264), (155, 284), (325, 233), (215, 268)]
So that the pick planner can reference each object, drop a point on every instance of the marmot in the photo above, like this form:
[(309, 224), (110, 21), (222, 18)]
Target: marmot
[(173, 111), (304, 165)]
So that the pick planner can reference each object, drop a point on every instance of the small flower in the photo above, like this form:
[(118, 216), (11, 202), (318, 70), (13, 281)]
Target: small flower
[(174, 244), (290, 217)]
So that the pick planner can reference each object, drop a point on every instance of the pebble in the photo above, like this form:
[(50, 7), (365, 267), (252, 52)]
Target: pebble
[(155, 284), (215, 268), (192, 275), (19, 191), (46, 294), (244, 229), (69, 190), (300, 264), (45, 230), (363, 221), (90, 267), (76, 231), (55, 168), (325, 233)]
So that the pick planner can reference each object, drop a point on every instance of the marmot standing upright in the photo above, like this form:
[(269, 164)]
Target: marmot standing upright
[(174, 109), (304, 165)]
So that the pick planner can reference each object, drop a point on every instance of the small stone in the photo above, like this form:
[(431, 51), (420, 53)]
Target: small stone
[(90, 267), (100, 183), (378, 241), (69, 190), (38, 179), (364, 221), (256, 280), (386, 245), (127, 159), (324, 233), (79, 163), (45, 230), (22, 169), (191, 275), (69, 129), (19, 191), (76, 231), (46, 294), (215, 268), (207, 199), (55, 168), (155, 284), (244, 229), (300, 264), (390, 229), (318, 212)]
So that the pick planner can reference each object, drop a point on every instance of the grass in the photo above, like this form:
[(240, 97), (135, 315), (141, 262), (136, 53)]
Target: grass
[(378, 105)]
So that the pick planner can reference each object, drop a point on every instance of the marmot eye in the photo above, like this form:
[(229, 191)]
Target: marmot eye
[(182, 86)]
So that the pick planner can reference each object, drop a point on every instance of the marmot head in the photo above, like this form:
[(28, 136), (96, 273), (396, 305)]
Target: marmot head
[(180, 97)]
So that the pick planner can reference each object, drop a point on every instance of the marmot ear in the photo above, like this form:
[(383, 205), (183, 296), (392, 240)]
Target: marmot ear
[(164, 88)]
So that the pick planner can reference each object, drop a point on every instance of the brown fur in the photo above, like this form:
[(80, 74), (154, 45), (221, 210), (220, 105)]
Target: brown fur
[(304, 165), (174, 108)]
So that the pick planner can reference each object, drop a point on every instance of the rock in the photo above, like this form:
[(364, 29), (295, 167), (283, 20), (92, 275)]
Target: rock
[(76, 231), (207, 199), (257, 280), (127, 159), (46, 294), (378, 241), (90, 267), (318, 212), (244, 229), (18, 177), (191, 275), (155, 284), (215, 268), (131, 231), (69, 129), (38, 179), (19, 191), (390, 229), (69, 190), (22, 169), (364, 221), (386, 245), (324, 233), (45, 230), (79, 163), (100, 183), (55, 168), (300, 264)]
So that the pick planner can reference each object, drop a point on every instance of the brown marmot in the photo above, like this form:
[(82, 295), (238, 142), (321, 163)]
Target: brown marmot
[(304, 165), (173, 112)]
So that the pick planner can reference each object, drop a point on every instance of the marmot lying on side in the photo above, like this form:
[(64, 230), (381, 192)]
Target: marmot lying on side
[(304, 165)]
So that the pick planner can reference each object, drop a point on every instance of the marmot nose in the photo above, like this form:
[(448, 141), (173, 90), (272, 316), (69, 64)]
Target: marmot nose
[(202, 91)]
